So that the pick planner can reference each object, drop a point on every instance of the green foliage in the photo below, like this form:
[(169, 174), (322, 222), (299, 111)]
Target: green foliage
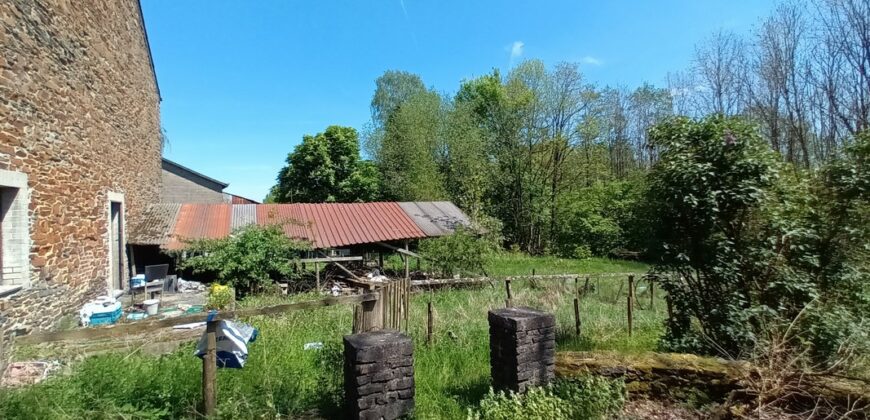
[(220, 296), (408, 155), (601, 218), (326, 168), (587, 397), (746, 248), (250, 259), (462, 252)]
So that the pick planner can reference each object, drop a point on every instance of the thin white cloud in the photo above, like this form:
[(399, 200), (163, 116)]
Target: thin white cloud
[(592, 61), (517, 49), (404, 11)]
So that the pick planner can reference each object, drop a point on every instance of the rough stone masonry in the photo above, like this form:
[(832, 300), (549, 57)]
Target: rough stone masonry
[(378, 375), (522, 348), (79, 126)]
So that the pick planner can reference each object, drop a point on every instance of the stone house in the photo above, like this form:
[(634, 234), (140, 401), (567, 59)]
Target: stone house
[(80, 152)]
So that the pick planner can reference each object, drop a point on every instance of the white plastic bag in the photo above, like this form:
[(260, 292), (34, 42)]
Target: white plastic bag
[(231, 340)]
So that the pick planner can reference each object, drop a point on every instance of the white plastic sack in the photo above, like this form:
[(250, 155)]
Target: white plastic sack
[(231, 340)]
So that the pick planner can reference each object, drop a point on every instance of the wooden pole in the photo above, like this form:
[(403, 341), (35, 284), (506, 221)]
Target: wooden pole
[(429, 323), (509, 302), (577, 315), (652, 298), (407, 262), (576, 285), (209, 371), (628, 299), (381, 262), (317, 274)]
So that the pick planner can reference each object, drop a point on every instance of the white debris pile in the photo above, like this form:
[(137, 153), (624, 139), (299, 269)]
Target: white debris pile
[(376, 276), (189, 286)]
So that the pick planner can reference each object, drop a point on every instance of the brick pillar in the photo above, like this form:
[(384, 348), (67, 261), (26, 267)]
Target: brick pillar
[(522, 348), (378, 375)]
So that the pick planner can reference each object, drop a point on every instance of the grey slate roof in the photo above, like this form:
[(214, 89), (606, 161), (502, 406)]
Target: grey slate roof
[(435, 218), (155, 224)]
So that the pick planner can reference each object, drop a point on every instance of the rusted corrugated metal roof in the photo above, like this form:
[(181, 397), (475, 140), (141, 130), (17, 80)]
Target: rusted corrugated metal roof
[(200, 221), (325, 225), (331, 225), (435, 218), (154, 224)]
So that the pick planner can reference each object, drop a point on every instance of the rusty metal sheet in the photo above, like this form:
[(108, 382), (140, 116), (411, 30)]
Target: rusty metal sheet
[(435, 218), (201, 221), (331, 225)]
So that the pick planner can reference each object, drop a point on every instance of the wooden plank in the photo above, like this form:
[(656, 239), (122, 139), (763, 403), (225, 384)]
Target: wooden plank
[(120, 330), (330, 259), (343, 268), (400, 250)]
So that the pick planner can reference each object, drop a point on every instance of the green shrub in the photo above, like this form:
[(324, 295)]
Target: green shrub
[(586, 397), (250, 259), (748, 246), (459, 253)]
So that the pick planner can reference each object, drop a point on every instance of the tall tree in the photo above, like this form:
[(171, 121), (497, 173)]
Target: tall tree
[(409, 152), (326, 167)]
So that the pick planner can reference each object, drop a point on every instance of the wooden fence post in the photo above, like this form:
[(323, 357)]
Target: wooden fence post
[(629, 299), (209, 371), (652, 297), (429, 323), (509, 302), (577, 315)]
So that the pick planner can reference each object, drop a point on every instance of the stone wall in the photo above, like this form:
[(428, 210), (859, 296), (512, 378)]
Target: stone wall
[(79, 117), (522, 348), (378, 375)]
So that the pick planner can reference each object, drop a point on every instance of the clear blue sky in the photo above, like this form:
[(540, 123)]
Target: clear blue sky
[(243, 81)]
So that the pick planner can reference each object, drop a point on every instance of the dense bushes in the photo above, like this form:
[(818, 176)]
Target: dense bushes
[(463, 252), (250, 259), (601, 219), (746, 245), (589, 397)]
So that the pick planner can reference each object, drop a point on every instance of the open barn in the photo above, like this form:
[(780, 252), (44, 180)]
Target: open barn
[(342, 234)]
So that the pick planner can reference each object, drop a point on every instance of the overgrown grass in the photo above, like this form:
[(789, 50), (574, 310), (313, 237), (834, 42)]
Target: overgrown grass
[(281, 378)]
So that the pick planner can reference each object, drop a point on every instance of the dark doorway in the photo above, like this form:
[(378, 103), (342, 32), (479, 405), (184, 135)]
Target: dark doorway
[(116, 244)]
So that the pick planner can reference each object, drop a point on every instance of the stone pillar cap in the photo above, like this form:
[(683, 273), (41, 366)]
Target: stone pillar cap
[(521, 318)]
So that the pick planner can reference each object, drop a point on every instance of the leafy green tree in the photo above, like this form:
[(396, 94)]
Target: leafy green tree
[(250, 259), (326, 167), (409, 154)]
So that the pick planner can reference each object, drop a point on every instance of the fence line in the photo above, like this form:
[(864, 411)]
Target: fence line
[(473, 280), (119, 330)]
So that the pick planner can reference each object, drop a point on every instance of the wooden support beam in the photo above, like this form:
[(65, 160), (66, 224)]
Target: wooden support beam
[(404, 251), (317, 274), (334, 260), (330, 259)]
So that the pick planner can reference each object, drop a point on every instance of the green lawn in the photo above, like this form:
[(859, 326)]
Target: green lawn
[(282, 379)]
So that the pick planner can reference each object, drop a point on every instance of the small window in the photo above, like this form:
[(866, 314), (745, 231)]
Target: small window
[(14, 237)]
